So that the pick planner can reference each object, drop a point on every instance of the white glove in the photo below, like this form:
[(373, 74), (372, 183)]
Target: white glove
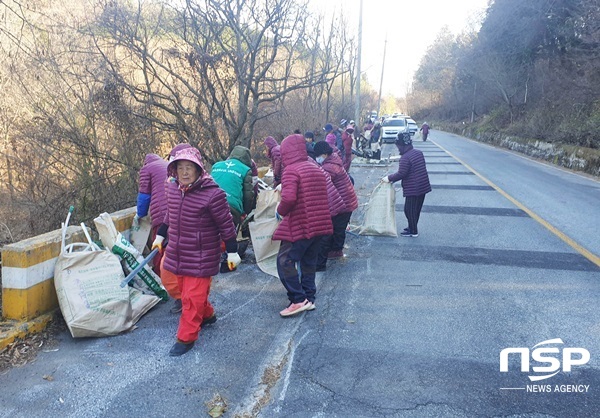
[(135, 225), (158, 243), (278, 188), (233, 260), (385, 179), (254, 180)]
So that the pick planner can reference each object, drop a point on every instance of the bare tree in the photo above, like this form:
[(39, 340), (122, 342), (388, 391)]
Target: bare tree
[(214, 68)]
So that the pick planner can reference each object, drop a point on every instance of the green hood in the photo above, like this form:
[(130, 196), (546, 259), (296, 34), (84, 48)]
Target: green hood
[(241, 154)]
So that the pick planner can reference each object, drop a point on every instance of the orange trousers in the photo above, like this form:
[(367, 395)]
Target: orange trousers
[(170, 281), (196, 307)]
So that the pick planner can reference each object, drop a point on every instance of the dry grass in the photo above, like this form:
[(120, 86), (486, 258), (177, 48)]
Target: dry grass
[(24, 351)]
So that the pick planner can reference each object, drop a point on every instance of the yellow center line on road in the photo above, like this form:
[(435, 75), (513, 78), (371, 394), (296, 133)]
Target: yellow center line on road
[(568, 240)]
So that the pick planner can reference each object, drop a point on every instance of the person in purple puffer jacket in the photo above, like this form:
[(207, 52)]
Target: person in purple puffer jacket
[(336, 207), (415, 182), (274, 154), (333, 246), (304, 208), (197, 220), (151, 197)]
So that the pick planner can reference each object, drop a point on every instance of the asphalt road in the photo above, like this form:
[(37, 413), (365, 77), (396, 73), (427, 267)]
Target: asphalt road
[(403, 327)]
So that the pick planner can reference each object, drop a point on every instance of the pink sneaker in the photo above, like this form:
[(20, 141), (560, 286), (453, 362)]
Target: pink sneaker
[(312, 306), (296, 308)]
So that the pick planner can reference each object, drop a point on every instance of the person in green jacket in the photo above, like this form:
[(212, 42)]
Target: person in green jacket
[(234, 177)]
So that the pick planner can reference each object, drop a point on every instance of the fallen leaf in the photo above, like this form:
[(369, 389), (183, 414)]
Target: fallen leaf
[(217, 411), (110, 364), (217, 405), (61, 400), (48, 377)]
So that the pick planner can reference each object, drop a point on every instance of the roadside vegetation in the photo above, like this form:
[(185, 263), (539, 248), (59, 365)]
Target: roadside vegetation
[(529, 79), (88, 88)]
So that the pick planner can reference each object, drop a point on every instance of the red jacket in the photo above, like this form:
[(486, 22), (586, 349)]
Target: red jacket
[(152, 182), (304, 204), (275, 155), (198, 220), (335, 201), (347, 157), (341, 181)]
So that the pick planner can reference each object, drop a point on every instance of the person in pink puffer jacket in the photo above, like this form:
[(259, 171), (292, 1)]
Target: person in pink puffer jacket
[(304, 208)]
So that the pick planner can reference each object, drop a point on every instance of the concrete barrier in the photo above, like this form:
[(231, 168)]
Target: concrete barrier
[(28, 272), (28, 269)]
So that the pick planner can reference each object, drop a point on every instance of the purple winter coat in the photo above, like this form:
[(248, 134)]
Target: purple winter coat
[(413, 173), (275, 155), (347, 155), (304, 204), (335, 201), (198, 220), (331, 140), (152, 182), (340, 179)]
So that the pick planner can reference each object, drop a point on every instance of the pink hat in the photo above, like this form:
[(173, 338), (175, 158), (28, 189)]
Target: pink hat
[(178, 148), (189, 154)]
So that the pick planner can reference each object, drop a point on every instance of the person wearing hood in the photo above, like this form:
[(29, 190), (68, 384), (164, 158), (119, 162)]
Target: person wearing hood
[(234, 177), (333, 246), (197, 221), (347, 138), (415, 181), (151, 197), (304, 210), (274, 154), (169, 280)]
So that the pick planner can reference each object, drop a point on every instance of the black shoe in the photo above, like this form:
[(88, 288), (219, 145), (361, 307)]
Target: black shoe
[(321, 268), (408, 234), (177, 307), (180, 348), (210, 320), (406, 230)]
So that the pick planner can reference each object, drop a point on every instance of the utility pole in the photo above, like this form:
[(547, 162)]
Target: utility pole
[(381, 80), (357, 117)]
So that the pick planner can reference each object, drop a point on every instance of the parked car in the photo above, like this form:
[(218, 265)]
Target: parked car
[(390, 128), (412, 126)]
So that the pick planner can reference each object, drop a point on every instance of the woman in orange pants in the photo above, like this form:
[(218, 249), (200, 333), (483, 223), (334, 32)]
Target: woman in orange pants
[(197, 220)]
